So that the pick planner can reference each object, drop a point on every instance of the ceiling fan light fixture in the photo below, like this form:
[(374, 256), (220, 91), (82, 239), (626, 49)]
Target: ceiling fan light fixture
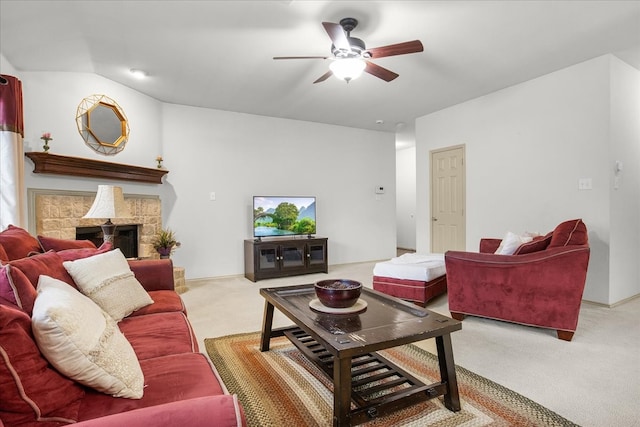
[(347, 69)]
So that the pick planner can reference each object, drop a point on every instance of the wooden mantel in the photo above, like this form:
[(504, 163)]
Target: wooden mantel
[(77, 166)]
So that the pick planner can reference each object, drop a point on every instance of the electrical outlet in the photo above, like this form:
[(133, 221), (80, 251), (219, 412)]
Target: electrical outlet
[(584, 184), (212, 196)]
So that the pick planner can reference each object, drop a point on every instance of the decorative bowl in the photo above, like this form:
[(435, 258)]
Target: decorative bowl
[(338, 293)]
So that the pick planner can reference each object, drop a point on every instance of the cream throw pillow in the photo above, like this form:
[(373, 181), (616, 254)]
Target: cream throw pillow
[(83, 342), (511, 242), (107, 279)]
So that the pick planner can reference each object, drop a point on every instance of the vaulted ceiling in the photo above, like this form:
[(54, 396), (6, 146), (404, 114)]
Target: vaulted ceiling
[(218, 54)]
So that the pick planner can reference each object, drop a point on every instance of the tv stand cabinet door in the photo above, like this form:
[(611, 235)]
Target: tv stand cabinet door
[(317, 256), (261, 260)]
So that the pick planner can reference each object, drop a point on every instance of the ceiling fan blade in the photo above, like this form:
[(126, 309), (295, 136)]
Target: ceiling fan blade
[(396, 49), (324, 77), (380, 72), (300, 57), (337, 35)]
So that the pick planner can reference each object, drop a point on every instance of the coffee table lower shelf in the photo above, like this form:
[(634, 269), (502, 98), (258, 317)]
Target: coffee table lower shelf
[(378, 387)]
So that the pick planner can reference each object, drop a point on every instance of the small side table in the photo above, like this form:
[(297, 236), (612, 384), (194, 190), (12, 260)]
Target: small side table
[(179, 280)]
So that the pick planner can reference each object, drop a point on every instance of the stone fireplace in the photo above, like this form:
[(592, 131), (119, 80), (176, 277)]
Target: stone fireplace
[(58, 213)]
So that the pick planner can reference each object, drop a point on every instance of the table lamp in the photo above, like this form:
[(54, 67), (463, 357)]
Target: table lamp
[(109, 203)]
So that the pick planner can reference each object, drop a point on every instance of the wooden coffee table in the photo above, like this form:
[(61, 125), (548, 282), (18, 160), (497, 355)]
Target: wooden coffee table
[(344, 346)]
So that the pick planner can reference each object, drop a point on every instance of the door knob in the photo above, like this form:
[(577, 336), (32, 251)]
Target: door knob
[(434, 219)]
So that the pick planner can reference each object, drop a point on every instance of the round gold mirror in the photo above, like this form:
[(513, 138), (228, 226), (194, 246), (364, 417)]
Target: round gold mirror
[(102, 124)]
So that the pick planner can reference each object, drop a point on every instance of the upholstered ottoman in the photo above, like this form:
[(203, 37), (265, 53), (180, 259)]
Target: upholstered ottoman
[(412, 277)]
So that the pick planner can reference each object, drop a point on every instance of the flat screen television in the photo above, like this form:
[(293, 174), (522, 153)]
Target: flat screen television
[(283, 216)]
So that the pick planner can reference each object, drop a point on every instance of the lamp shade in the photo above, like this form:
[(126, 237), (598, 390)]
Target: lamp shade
[(347, 68), (109, 203)]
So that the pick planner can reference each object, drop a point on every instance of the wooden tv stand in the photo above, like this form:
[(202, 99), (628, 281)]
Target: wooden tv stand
[(270, 258)]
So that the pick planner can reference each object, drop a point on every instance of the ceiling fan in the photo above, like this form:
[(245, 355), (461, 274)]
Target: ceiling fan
[(351, 57)]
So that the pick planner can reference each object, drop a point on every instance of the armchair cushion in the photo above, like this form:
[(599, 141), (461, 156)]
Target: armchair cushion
[(572, 232), (539, 243)]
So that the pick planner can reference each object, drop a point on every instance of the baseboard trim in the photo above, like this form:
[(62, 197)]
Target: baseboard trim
[(615, 304)]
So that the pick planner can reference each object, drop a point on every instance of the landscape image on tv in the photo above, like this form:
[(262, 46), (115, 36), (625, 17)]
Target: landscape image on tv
[(283, 216)]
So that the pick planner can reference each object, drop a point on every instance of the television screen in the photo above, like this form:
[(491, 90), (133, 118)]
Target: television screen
[(283, 216)]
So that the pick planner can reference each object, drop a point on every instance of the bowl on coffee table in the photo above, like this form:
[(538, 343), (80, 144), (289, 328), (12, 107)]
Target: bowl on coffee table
[(338, 293)]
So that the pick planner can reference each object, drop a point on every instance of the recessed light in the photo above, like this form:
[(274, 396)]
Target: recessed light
[(379, 122), (141, 74)]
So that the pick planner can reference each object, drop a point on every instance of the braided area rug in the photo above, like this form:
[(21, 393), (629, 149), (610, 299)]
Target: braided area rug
[(281, 387)]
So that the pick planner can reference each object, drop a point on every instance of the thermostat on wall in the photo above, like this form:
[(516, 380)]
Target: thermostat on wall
[(380, 190)]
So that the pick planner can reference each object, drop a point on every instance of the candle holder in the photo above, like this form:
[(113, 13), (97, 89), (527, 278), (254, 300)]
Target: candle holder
[(46, 138)]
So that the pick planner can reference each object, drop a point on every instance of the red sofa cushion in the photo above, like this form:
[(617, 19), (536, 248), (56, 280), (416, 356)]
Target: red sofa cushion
[(164, 301), (80, 253), (53, 244), (572, 232), (539, 243), (18, 243), (30, 389), (167, 379), (16, 288), (144, 333), (13, 286), (221, 411), (19, 278), (153, 274), (3, 254)]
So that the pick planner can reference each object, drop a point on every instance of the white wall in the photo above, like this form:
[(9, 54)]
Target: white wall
[(51, 100), (526, 148), (406, 197), (6, 67), (235, 155), (239, 155)]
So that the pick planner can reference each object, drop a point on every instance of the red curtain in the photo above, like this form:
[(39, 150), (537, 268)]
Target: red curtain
[(11, 153), (11, 111)]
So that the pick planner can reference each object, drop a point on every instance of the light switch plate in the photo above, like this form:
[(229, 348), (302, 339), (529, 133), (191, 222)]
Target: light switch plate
[(585, 184)]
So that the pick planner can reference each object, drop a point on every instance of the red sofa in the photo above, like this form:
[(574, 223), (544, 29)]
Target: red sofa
[(540, 285), (181, 386)]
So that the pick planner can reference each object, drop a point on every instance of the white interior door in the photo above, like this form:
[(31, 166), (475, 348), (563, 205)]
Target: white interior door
[(448, 200)]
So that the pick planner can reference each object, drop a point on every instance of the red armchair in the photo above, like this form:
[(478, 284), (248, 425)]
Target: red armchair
[(540, 285)]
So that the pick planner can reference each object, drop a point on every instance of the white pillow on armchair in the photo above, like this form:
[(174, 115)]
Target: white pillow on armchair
[(511, 242)]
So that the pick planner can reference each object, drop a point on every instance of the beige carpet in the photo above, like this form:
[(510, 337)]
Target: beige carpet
[(282, 387), (593, 380)]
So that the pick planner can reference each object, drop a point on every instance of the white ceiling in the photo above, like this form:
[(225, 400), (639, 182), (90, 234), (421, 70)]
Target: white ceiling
[(218, 54)]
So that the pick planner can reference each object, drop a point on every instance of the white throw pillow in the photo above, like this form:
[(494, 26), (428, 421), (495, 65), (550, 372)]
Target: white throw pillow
[(511, 242), (107, 279), (83, 342)]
